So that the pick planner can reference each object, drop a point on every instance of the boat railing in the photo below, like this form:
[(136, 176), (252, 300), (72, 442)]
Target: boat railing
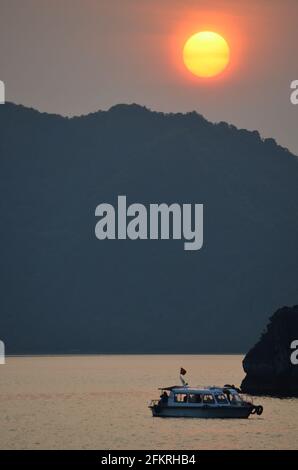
[(153, 402), (247, 398)]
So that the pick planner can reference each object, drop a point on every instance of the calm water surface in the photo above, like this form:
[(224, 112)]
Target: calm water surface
[(100, 402)]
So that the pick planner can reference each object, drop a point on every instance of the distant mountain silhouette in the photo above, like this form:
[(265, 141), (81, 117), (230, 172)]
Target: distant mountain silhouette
[(63, 291)]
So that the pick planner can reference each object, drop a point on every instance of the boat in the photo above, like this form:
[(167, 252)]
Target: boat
[(210, 402)]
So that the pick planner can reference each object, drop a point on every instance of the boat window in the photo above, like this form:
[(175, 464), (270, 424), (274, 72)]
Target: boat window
[(235, 398), (208, 398), (194, 398), (180, 397), (220, 398)]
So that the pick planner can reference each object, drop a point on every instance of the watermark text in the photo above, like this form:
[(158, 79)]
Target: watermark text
[(159, 221)]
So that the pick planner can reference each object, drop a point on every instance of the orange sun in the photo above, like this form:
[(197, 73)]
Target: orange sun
[(206, 54)]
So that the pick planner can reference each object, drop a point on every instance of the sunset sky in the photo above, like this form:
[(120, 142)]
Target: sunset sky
[(78, 56)]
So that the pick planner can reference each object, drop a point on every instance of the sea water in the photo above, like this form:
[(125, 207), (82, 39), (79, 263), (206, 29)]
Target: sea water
[(101, 402)]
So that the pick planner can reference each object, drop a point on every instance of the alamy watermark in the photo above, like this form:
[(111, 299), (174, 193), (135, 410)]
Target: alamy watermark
[(159, 221), (2, 352), (294, 93), (294, 354), (2, 92)]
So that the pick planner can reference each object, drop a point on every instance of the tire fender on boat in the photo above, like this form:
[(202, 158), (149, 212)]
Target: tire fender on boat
[(258, 409)]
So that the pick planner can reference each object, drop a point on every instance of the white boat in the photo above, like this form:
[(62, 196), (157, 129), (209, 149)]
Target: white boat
[(210, 402)]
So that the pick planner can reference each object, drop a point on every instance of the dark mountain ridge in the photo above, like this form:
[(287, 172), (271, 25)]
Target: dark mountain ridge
[(63, 290)]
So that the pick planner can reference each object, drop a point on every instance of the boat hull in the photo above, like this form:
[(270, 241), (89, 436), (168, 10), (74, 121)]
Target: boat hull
[(240, 412)]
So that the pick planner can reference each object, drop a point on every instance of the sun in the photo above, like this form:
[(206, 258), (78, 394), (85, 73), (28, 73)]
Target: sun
[(206, 54)]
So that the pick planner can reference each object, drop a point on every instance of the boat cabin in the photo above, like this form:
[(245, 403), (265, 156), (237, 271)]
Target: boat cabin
[(177, 395)]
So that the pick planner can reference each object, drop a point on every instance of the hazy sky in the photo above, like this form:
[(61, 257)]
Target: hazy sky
[(77, 56)]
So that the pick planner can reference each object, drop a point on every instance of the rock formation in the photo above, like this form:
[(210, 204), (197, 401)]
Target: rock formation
[(269, 364)]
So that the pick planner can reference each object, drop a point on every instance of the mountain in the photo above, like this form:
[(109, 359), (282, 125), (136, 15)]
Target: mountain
[(268, 364), (63, 290)]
